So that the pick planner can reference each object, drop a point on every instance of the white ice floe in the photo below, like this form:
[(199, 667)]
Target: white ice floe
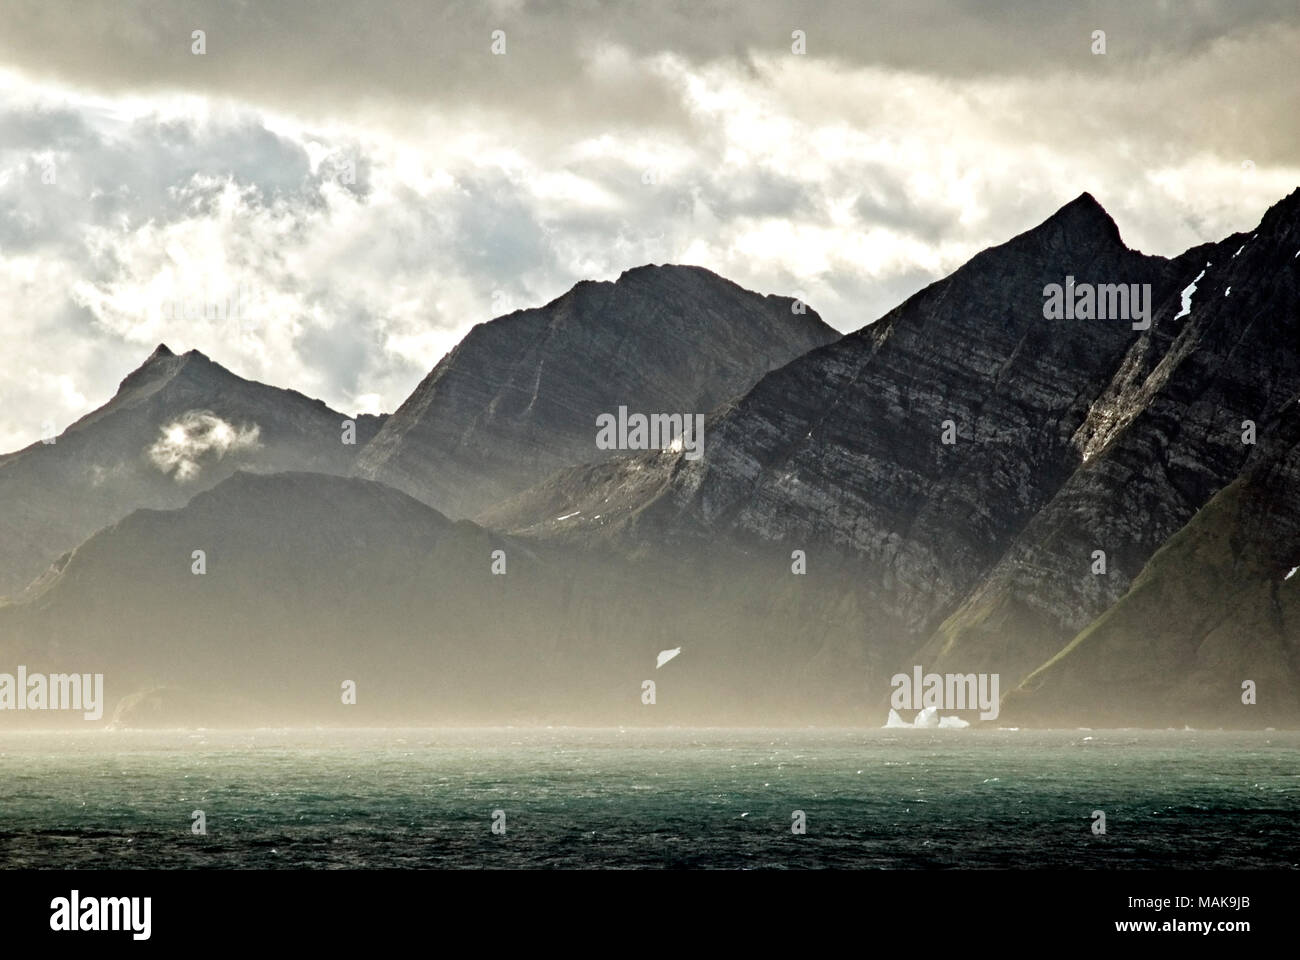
[(1187, 294), (927, 719), (665, 656)]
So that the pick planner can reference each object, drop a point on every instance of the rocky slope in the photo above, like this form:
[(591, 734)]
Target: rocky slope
[(177, 425), (937, 488), (842, 452), (1216, 609), (312, 580), (518, 398), (1070, 437), (1166, 435)]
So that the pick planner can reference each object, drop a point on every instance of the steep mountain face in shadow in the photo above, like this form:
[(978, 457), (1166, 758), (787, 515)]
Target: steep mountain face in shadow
[(1099, 510), (1218, 365), (1211, 626), (309, 581), (1072, 436), (304, 580), (177, 425), (518, 398), (841, 453)]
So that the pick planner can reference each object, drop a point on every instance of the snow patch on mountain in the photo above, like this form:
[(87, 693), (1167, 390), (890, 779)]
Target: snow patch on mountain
[(1187, 294)]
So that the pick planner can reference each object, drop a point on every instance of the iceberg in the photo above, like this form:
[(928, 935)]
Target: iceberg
[(927, 719), (665, 656)]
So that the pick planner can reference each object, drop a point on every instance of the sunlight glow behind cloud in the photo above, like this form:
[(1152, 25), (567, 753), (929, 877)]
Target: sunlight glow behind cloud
[(371, 232)]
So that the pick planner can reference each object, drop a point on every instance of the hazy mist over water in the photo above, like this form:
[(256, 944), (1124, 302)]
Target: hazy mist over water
[(672, 798)]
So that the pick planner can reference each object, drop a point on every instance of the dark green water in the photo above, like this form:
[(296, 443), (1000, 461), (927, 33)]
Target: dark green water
[(650, 798)]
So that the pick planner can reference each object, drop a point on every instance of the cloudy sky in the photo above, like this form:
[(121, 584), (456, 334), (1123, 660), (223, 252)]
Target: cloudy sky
[(354, 185)]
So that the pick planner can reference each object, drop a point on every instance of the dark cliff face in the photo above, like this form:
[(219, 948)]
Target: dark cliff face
[(1210, 629), (177, 425), (518, 398), (1166, 435), (1072, 436), (843, 449), (828, 537)]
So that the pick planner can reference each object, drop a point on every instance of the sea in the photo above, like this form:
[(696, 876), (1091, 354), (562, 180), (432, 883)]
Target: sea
[(636, 798)]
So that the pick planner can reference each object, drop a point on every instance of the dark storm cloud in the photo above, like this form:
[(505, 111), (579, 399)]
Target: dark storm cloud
[(319, 59), (911, 135), (438, 51)]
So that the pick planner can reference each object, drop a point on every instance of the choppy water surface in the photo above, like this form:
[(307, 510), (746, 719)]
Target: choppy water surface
[(649, 798)]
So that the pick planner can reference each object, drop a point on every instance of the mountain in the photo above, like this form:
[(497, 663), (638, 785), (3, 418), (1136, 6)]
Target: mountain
[(1166, 436), (841, 452), (308, 581), (1100, 510), (177, 425), (518, 398), (1217, 607), (304, 582), (1069, 436)]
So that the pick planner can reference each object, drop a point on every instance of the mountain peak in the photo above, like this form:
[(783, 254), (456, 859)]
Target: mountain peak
[(666, 270), (1281, 218), (518, 400), (1086, 214), (1085, 204), (1082, 222), (156, 369), (159, 365)]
